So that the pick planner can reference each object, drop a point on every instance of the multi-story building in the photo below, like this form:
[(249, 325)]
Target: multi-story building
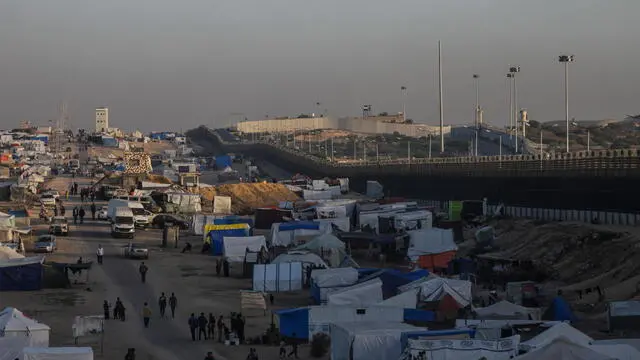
[(102, 119)]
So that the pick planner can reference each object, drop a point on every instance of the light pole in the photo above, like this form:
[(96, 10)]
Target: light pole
[(509, 79), (403, 89), (440, 97), (514, 70), (476, 80), (566, 59)]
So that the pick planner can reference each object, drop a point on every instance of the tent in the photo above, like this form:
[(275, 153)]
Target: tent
[(216, 234), (11, 347), (359, 295), (437, 288), (617, 351), (561, 330), (507, 310), (559, 310), (304, 257), (235, 248), (294, 323), (431, 248), (334, 277), (465, 349), (565, 349), (21, 274), (13, 323), (324, 241), (286, 276), (367, 340), (406, 300), (294, 232), (58, 353)]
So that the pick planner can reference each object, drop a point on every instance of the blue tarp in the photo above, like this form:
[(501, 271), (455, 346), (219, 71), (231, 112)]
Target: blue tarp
[(223, 161), (43, 138), (217, 242), (231, 220), (559, 310), (425, 334), (419, 316), (21, 277), (18, 213), (299, 225), (158, 136), (294, 321)]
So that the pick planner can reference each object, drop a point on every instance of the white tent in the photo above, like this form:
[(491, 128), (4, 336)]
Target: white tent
[(507, 310), (430, 241), (235, 247), (405, 300), (359, 295), (11, 347), (306, 258), (321, 317), (14, 323), (277, 277), (334, 277), (324, 241), (367, 340), (437, 288), (465, 349), (561, 330), (565, 349), (58, 353), (618, 352)]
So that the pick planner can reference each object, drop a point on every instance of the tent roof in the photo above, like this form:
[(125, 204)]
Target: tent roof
[(11, 346), (325, 241), (22, 261), (505, 308), (299, 256), (561, 330), (12, 319), (437, 288), (565, 349)]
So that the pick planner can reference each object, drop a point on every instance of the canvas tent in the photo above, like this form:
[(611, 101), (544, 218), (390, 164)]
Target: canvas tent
[(11, 347), (467, 349), (21, 274), (58, 353), (334, 277), (438, 288), (297, 232), (13, 323), (367, 340), (306, 258), (565, 349), (235, 248), (431, 248), (278, 277), (324, 241), (507, 310), (359, 295), (561, 330), (617, 351), (406, 300)]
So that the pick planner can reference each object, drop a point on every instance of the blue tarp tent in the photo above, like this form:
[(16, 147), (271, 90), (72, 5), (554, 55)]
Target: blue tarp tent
[(391, 279), (230, 220), (418, 316), (299, 225), (294, 321), (426, 334), (217, 242), (222, 161), (43, 138), (559, 310), (158, 136), (22, 274)]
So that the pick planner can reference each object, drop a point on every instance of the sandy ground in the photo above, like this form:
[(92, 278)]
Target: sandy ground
[(150, 148)]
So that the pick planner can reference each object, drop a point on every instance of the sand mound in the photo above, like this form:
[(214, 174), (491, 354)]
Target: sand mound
[(7, 253), (159, 179), (246, 197)]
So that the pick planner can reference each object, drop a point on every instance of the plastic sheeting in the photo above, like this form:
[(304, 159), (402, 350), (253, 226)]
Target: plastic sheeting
[(430, 241), (359, 295), (321, 317), (88, 325), (561, 330), (11, 347), (13, 323), (221, 204), (406, 300), (58, 353), (367, 340), (565, 349), (317, 194), (437, 288), (285, 234), (306, 258), (342, 223), (334, 277), (414, 220), (235, 248), (324, 242), (468, 349), (277, 277), (331, 212)]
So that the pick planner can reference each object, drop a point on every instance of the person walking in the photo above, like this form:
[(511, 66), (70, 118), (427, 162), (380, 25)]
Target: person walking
[(116, 309), (131, 354), (105, 307), (193, 325), (202, 326), (81, 213), (75, 215), (93, 211), (146, 315), (63, 210), (143, 272), (209, 356), (220, 325), (162, 303), (294, 347), (173, 302), (66, 194), (211, 326), (100, 254)]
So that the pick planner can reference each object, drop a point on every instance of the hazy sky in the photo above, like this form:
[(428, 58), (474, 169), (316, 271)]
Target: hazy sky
[(162, 64)]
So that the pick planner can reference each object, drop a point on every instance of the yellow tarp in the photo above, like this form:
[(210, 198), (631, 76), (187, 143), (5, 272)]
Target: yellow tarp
[(212, 227)]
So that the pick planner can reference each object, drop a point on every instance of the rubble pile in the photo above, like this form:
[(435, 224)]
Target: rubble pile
[(246, 197)]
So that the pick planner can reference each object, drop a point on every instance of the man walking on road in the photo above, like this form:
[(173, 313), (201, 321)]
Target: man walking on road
[(81, 214), (202, 326), (162, 303), (173, 302), (100, 254), (143, 272), (193, 325), (146, 315), (75, 215), (93, 211)]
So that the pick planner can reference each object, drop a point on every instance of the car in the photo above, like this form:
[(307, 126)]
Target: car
[(103, 213), (160, 221), (135, 251), (45, 243), (55, 193), (59, 226), (48, 200)]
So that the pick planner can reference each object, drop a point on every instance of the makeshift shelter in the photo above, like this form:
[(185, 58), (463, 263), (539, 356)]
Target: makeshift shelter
[(266, 217), (326, 281), (565, 349), (297, 232), (277, 277), (413, 220), (58, 353), (406, 300), (561, 330), (617, 351), (359, 295), (306, 258), (467, 349), (235, 248), (367, 340), (326, 246), (559, 310), (436, 289), (341, 223), (13, 323), (431, 248), (11, 347), (21, 274), (294, 321), (507, 310), (216, 234), (623, 315)]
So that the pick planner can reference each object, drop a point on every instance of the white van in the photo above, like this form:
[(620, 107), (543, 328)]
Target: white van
[(113, 204), (122, 223), (141, 216)]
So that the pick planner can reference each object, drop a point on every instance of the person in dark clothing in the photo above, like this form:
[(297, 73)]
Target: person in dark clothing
[(193, 325), (220, 326), (105, 306), (271, 299), (143, 272), (240, 327), (93, 211), (131, 354), (294, 347), (218, 267), (225, 267), (75, 215), (209, 356), (173, 302), (253, 355), (202, 326), (162, 303), (62, 210), (146, 315), (55, 210), (116, 309), (81, 214), (211, 326)]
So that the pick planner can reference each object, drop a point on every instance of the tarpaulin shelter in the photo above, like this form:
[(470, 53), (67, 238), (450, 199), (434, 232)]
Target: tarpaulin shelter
[(324, 241), (467, 349), (431, 248), (565, 349), (358, 295), (216, 234), (13, 323), (367, 340), (507, 310), (297, 232), (58, 353), (235, 248), (223, 161), (561, 330), (294, 323), (11, 347), (21, 274), (325, 281), (304, 257), (277, 277), (559, 310)]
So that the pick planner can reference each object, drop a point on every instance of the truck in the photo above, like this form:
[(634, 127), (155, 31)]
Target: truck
[(122, 223)]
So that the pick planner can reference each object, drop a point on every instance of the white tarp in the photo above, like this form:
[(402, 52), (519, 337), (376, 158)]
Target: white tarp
[(235, 247), (288, 237), (430, 241), (319, 185), (414, 220), (565, 349), (618, 352), (11, 347), (324, 242), (437, 288), (221, 204), (368, 340), (342, 223), (562, 330), (14, 323), (507, 310), (370, 220), (467, 349), (317, 194), (348, 204), (406, 300), (185, 202), (334, 277), (321, 317), (331, 212), (359, 295), (277, 277), (304, 257), (58, 353)]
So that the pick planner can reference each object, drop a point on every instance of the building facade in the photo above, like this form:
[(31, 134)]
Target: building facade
[(102, 119)]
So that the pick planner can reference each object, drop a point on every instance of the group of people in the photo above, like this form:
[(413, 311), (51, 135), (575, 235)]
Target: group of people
[(79, 213), (118, 310), (206, 327)]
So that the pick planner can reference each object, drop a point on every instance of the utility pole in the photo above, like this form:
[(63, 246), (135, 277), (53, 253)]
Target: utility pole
[(514, 70), (440, 97), (510, 81), (377, 153), (332, 149), (566, 59), (409, 151), (404, 103), (429, 146)]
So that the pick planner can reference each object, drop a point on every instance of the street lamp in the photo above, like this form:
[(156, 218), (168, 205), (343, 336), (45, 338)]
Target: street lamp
[(509, 77), (566, 59), (514, 70), (476, 80), (404, 108)]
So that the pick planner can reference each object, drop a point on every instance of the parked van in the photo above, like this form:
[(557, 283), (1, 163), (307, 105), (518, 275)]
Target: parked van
[(141, 216), (113, 204), (122, 223)]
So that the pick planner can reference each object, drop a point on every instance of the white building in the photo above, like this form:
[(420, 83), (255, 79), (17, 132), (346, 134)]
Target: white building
[(102, 119)]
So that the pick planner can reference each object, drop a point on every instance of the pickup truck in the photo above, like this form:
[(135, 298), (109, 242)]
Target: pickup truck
[(135, 251), (45, 243), (59, 226)]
